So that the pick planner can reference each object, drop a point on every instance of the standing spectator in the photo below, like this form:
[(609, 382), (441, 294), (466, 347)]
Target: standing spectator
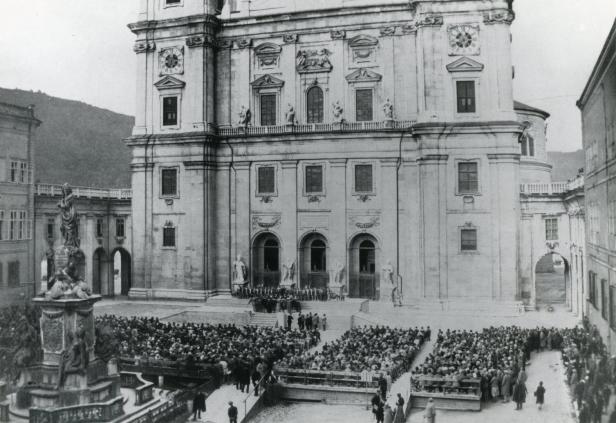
[(315, 321), (383, 386), (289, 321), (400, 417), (198, 405), (519, 394), (540, 395), (430, 413), (324, 321), (309, 321), (388, 414), (506, 386), (597, 410), (300, 321), (256, 376), (232, 413)]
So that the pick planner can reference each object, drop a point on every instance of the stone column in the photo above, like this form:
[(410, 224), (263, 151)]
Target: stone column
[(389, 228), (338, 240), (288, 204)]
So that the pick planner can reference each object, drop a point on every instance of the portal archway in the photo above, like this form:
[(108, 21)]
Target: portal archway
[(363, 265), (313, 262), (551, 279), (122, 271), (266, 260)]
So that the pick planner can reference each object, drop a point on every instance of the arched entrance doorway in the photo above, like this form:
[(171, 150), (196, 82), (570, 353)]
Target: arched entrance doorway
[(100, 275), (551, 278), (266, 260), (122, 276), (363, 265), (313, 262)]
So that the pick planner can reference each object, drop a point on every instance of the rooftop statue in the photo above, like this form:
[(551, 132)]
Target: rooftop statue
[(69, 218)]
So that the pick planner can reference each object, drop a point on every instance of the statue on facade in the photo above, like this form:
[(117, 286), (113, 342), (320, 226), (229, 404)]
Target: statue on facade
[(290, 116), (339, 274), (288, 273), (245, 117), (239, 271), (338, 111), (69, 218), (74, 359), (388, 272), (388, 110)]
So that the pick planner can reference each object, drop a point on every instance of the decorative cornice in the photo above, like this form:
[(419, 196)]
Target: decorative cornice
[(430, 20), (492, 17), (267, 48), (267, 81), (337, 34), (409, 28), (363, 41), (224, 43), (387, 31), (206, 19), (201, 41), (290, 38), (243, 43), (144, 46), (169, 82), (266, 221), (465, 64), (434, 158), (363, 75)]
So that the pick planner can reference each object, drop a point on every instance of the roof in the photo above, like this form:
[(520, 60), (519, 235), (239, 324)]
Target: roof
[(517, 105), (605, 58), (18, 112)]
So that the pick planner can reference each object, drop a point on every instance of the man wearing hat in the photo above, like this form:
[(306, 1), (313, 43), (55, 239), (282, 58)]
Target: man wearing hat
[(232, 412)]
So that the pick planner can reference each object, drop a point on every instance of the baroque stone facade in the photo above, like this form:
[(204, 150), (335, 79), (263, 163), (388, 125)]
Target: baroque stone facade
[(383, 140)]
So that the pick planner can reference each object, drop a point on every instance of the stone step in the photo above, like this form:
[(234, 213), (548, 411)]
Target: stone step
[(228, 301), (263, 319)]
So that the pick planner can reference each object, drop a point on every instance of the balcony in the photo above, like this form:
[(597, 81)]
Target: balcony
[(84, 192), (553, 188), (315, 128)]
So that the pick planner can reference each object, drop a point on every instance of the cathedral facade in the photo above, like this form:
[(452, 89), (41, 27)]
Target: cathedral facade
[(369, 144)]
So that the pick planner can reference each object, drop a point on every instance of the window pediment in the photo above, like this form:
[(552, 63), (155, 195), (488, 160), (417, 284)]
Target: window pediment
[(267, 81), (268, 55), (363, 75), (465, 64), (168, 83), (267, 48), (363, 41)]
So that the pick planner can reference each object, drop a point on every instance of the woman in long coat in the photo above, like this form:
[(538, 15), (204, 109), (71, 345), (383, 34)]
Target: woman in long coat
[(506, 386), (519, 394)]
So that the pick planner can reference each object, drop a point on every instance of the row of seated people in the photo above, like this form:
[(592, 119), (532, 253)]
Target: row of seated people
[(148, 340), (364, 352), (282, 293), (481, 364)]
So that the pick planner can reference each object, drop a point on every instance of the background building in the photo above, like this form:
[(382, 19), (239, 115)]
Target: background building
[(598, 107), (16, 202)]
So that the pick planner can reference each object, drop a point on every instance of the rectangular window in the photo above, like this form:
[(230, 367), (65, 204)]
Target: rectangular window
[(531, 147), (266, 183), (172, 2), (13, 274), (466, 96), (592, 289), (2, 226), (314, 179), (468, 240), (14, 171), (613, 307), (551, 229), (1, 275), (363, 105), (170, 111), (51, 228), (524, 146), (13, 226), (604, 293), (120, 227), (100, 225), (168, 236), (363, 178), (169, 185), (23, 172), (22, 227), (268, 110), (468, 178)]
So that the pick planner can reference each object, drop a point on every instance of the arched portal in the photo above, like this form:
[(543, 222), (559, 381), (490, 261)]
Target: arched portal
[(100, 275), (266, 260), (363, 265), (313, 262), (551, 279), (122, 271)]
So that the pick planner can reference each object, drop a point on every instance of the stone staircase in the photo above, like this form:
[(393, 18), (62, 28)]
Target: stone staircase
[(263, 319), (228, 301)]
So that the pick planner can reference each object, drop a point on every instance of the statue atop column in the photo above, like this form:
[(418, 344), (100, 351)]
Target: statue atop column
[(69, 218)]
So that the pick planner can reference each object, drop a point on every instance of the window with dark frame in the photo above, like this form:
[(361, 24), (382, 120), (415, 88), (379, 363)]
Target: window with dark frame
[(170, 111), (314, 105), (468, 240), (314, 179), (318, 256), (531, 147), (604, 294), (172, 2), (120, 233), (592, 289), (466, 96), (268, 109), (1, 274), (169, 236), (13, 279), (468, 178), (524, 146), (2, 225), (551, 229), (266, 182), (363, 178), (51, 228), (99, 228), (613, 307), (169, 184), (363, 105)]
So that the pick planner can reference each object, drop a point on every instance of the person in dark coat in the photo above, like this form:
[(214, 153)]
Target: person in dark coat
[(519, 394), (383, 385), (540, 395), (198, 405), (232, 412), (256, 376)]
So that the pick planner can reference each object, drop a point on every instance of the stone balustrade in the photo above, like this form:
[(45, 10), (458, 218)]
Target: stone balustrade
[(553, 188), (237, 131), (54, 190)]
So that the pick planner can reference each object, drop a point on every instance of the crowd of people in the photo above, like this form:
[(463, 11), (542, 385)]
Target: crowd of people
[(375, 349), (299, 294), (20, 341), (243, 353)]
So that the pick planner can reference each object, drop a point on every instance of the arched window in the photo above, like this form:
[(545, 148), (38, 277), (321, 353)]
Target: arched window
[(318, 256), (314, 105), (366, 257)]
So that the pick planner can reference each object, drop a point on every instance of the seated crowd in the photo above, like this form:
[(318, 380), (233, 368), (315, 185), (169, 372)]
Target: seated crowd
[(374, 349)]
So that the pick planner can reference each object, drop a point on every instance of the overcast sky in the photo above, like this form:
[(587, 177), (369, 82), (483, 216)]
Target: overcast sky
[(82, 50)]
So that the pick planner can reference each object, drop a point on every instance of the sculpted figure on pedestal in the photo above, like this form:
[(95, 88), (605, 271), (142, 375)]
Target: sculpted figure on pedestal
[(388, 272), (290, 116), (245, 117), (74, 358), (337, 110), (239, 271), (69, 217), (388, 110)]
